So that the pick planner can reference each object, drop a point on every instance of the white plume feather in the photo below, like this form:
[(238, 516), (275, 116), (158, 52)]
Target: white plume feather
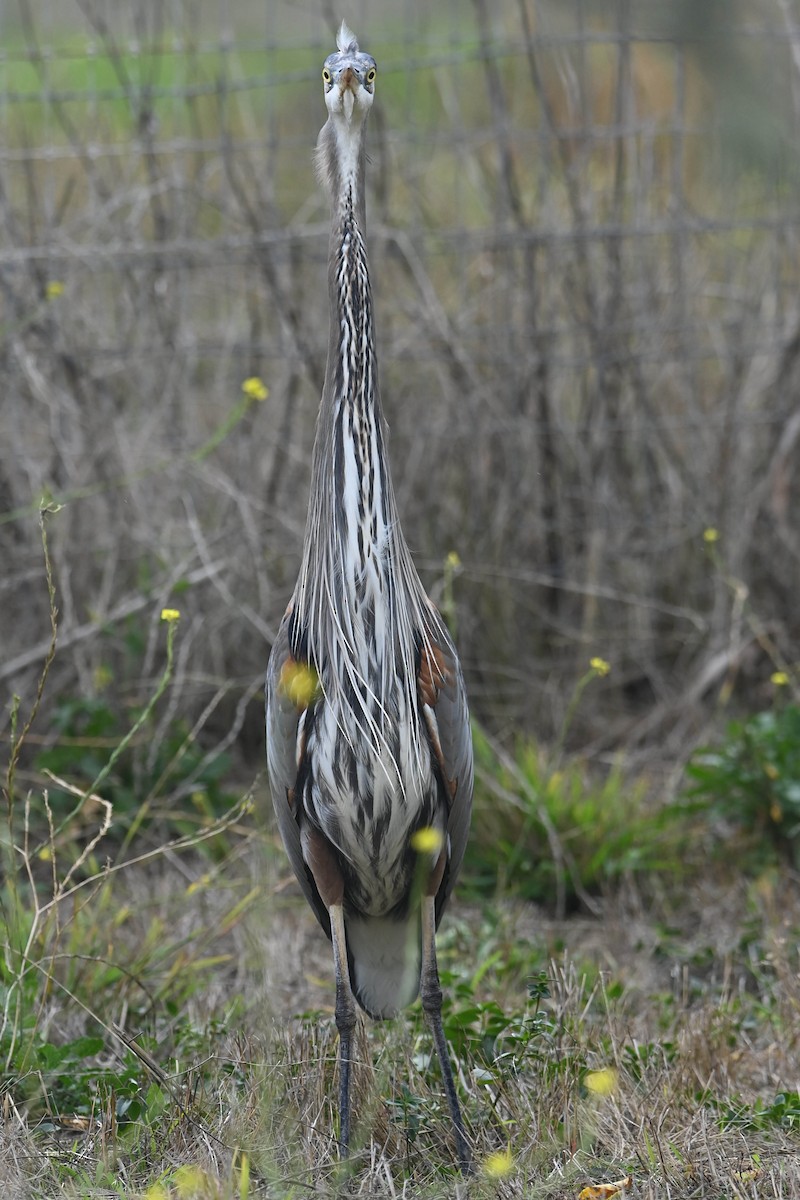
[(346, 39)]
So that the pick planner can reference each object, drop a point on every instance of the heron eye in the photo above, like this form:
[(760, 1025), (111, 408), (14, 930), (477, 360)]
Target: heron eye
[(326, 75), (371, 75)]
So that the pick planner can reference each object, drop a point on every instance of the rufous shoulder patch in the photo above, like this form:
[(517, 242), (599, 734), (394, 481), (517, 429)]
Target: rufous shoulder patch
[(434, 673)]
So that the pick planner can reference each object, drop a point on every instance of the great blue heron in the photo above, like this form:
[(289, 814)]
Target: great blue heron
[(368, 739)]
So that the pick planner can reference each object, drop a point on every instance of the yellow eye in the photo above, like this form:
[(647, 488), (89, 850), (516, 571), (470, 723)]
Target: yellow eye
[(326, 75), (371, 75)]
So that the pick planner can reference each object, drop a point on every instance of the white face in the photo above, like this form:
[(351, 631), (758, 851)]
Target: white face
[(349, 82)]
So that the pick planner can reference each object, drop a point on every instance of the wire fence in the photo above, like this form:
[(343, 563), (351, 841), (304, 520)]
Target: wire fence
[(583, 225)]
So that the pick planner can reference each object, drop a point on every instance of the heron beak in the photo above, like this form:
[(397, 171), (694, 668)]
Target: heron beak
[(348, 85)]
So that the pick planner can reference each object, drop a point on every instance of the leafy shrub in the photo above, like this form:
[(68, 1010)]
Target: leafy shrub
[(483, 1032), (171, 774), (561, 834), (752, 782), (783, 1111), (64, 957)]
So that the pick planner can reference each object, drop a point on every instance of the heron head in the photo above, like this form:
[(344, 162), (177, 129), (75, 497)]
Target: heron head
[(348, 76)]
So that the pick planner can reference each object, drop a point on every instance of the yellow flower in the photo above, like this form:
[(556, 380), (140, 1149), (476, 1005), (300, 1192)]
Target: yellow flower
[(499, 1164), (779, 678), (190, 1182), (170, 614), (599, 666), (157, 1191), (102, 677), (299, 681), (711, 535), (197, 885), (603, 1082), (427, 841), (453, 561), (255, 388), (54, 289)]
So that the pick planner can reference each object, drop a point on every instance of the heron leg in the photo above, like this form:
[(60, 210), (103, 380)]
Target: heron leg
[(321, 860), (345, 1022), (431, 992)]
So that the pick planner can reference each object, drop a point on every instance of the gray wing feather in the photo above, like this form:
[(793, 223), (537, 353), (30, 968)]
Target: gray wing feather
[(283, 723), (455, 739)]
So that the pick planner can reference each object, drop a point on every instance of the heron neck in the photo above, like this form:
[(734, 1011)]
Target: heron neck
[(362, 513), (350, 462), (352, 532), (359, 605)]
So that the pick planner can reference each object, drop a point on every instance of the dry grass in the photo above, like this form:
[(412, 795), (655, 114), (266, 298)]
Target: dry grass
[(693, 1005)]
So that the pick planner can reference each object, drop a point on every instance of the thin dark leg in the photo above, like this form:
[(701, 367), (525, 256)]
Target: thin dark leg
[(431, 992), (345, 1022)]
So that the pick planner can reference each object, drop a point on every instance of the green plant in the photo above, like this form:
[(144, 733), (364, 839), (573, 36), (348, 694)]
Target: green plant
[(752, 782), (78, 1078), (70, 953), (173, 776), (783, 1111), (483, 1032), (561, 833), (31, 903)]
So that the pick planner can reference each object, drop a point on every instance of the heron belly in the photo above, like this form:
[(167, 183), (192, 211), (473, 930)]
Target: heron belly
[(367, 795)]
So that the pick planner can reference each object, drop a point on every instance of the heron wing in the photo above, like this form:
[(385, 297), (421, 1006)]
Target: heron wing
[(289, 709), (444, 699)]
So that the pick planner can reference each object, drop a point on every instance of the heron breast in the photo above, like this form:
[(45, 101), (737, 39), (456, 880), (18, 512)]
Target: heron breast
[(367, 790)]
